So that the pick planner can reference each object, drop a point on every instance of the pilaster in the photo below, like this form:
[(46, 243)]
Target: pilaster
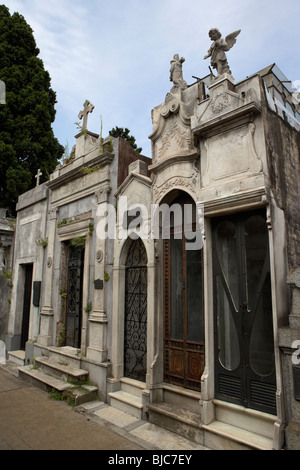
[(97, 349), (45, 337)]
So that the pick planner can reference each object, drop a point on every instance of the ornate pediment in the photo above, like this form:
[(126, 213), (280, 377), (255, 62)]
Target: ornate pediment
[(172, 135)]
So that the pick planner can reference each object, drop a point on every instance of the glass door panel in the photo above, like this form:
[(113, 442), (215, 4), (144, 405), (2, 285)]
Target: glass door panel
[(244, 345)]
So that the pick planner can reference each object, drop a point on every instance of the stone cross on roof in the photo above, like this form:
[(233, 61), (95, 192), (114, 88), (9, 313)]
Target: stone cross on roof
[(87, 108), (37, 176)]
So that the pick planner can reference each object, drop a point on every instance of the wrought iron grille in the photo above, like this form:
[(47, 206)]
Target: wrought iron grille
[(135, 340)]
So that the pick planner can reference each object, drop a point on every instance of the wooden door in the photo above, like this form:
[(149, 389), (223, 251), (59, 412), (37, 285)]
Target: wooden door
[(184, 318)]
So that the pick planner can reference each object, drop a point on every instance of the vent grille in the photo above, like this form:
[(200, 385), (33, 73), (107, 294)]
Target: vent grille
[(230, 386), (263, 394)]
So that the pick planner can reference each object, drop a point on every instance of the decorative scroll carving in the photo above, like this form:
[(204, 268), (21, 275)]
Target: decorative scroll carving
[(102, 194), (175, 182)]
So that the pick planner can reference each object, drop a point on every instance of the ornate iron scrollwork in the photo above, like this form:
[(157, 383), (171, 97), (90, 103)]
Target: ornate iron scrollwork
[(135, 342)]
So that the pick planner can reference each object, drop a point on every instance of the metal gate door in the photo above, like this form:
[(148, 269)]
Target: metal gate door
[(244, 343), (26, 304), (135, 338), (74, 297)]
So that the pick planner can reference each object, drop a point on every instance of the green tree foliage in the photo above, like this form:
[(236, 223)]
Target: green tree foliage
[(27, 142), (124, 134)]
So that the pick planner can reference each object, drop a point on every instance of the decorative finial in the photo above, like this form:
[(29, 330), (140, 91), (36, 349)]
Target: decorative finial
[(218, 48), (87, 108)]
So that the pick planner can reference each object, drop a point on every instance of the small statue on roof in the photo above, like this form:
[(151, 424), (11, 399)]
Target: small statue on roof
[(176, 72), (218, 48)]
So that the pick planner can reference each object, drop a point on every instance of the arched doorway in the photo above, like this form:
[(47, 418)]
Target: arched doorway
[(135, 324), (183, 299)]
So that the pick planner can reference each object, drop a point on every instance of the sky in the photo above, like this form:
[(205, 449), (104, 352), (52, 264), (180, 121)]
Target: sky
[(117, 53)]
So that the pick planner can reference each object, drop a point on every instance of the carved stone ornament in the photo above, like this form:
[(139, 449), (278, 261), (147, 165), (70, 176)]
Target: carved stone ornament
[(53, 213), (190, 184), (99, 256), (173, 133), (49, 262), (102, 194)]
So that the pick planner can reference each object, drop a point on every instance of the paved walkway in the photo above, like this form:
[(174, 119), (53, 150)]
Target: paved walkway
[(29, 420)]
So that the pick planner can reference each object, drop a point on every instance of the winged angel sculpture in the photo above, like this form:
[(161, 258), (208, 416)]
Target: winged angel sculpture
[(218, 48)]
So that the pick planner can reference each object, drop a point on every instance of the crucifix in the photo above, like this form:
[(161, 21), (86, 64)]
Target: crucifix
[(87, 108), (37, 176)]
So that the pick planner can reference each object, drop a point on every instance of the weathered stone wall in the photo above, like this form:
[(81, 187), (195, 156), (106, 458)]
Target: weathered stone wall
[(5, 294), (283, 159)]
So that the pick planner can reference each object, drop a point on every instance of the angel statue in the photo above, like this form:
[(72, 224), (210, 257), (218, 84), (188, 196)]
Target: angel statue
[(218, 48), (176, 72)]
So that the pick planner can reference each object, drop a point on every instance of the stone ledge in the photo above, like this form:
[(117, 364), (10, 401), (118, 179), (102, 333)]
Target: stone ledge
[(230, 435)]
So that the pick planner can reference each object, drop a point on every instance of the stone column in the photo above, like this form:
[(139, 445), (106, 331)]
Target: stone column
[(45, 337), (97, 349), (2, 255), (289, 343)]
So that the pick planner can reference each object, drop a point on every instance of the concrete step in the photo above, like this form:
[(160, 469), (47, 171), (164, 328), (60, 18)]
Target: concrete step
[(17, 356), (61, 370), (77, 394), (127, 402), (224, 436), (181, 421)]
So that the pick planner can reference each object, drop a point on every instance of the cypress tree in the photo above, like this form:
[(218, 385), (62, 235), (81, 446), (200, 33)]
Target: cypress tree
[(27, 142)]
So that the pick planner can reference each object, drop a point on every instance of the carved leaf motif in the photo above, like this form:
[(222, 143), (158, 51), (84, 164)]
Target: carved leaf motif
[(177, 135)]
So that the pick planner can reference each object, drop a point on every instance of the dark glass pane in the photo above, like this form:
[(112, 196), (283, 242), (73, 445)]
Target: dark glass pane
[(194, 296), (228, 343), (228, 258), (261, 352), (176, 297), (256, 241)]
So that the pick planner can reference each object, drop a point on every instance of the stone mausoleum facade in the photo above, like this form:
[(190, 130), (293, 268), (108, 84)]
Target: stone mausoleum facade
[(197, 330)]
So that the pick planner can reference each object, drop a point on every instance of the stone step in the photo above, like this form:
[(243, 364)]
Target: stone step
[(17, 356), (224, 436), (61, 370), (65, 354), (245, 418), (181, 397), (127, 402), (183, 422), (135, 387), (77, 393)]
